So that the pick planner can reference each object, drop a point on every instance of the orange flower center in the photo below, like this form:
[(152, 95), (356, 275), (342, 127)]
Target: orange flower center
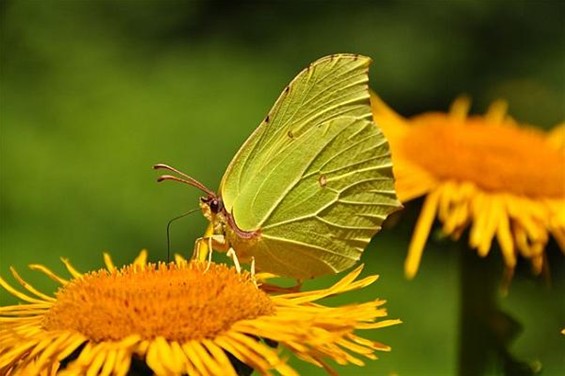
[(496, 157), (178, 302)]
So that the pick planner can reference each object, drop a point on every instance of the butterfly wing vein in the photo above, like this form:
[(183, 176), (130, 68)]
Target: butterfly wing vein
[(315, 178)]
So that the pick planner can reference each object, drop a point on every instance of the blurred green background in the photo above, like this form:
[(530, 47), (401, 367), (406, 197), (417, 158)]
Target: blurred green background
[(94, 93)]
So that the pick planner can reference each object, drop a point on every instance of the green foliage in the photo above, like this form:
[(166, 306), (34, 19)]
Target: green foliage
[(94, 93)]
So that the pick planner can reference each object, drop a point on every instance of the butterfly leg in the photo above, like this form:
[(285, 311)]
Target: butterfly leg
[(231, 254), (200, 249), (201, 252), (211, 242), (196, 251), (210, 251), (252, 270)]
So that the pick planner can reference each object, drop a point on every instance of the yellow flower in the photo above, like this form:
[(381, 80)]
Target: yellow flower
[(184, 317), (486, 173)]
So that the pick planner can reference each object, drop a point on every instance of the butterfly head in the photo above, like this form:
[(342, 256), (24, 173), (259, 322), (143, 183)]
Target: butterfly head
[(211, 205), (214, 211)]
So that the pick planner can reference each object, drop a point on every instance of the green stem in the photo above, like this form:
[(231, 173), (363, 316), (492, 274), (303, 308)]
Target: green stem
[(479, 284), (486, 332)]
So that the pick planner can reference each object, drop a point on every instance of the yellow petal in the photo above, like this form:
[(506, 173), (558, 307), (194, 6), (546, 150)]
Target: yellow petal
[(421, 234)]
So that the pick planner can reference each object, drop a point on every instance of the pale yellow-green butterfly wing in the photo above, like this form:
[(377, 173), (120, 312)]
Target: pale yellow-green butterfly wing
[(315, 178)]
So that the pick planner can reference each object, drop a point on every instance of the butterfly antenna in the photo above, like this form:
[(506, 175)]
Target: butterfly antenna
[(184, 178), (169, 230)]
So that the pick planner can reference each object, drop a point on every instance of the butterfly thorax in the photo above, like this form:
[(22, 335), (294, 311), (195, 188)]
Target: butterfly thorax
[(224, 224)]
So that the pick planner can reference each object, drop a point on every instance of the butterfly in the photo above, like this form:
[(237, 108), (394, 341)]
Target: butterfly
[(313, 183)]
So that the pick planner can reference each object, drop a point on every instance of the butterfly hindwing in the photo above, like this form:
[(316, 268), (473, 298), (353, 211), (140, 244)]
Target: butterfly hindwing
[(328, 216)]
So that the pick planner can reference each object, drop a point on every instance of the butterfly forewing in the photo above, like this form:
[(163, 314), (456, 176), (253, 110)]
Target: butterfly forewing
[(315, 178), (333, 86)]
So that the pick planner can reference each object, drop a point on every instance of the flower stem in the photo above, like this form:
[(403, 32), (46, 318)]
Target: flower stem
[(486, 332)]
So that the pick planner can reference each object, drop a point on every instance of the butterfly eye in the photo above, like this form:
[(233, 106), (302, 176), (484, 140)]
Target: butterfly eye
[(216, 205)]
